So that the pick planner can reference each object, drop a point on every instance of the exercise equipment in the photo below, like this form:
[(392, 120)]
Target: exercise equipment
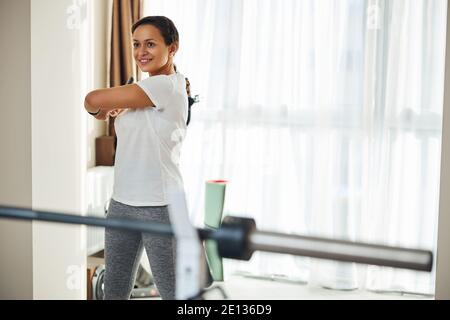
[(97, 283), (214, 203), (144, 287), (238, 238)]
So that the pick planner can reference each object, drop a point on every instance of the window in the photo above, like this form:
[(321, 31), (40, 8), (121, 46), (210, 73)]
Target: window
[(325, 116)]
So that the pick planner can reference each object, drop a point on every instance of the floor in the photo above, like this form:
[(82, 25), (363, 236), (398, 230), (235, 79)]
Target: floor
[(243, 288), (239, 287)]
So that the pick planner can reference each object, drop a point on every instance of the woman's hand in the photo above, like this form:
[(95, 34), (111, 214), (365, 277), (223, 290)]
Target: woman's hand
[(115, 112), (103, 115)]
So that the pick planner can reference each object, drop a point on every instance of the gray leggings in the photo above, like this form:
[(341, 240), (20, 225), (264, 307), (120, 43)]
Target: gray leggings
[(123, 250)]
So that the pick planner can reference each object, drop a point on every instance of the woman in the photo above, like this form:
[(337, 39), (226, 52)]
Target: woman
[(151, 115)]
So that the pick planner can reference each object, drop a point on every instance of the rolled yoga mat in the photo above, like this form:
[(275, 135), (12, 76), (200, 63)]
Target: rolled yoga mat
[(214, 204)]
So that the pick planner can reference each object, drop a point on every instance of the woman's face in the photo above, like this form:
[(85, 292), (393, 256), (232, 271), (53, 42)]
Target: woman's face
[(150, 52)]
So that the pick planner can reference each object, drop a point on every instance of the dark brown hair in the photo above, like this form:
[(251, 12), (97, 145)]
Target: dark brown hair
[(167, 28)]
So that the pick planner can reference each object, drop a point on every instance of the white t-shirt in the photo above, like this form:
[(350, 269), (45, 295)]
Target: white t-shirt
[(148, 143)]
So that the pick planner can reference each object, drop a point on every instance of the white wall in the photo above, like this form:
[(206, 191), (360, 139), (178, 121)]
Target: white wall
[(49, 62), (68, 61), (100, 22), (443, 248), (58, 70), (15, 149)]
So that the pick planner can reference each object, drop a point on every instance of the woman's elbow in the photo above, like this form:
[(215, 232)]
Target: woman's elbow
[(90, 102)]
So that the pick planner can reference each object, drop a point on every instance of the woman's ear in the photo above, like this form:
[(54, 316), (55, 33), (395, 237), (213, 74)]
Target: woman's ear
[(173, 49)]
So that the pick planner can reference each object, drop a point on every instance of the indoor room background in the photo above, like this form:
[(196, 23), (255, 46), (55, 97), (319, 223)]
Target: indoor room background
[(323, 116)]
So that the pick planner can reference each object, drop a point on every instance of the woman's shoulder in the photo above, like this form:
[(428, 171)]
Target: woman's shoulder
[(179, 80), (177, 76)]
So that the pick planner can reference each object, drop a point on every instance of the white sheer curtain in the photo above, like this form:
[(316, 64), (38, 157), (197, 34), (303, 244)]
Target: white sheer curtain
[(325, 116)]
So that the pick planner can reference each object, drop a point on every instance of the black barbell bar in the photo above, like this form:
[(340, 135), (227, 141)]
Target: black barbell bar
[(238, 238)]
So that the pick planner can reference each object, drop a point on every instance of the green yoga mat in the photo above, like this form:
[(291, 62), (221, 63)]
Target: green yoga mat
[(214, 203)]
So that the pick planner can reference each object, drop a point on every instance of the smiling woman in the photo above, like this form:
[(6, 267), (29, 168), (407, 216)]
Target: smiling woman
[(154, 47), (145, 169), (151, 51)]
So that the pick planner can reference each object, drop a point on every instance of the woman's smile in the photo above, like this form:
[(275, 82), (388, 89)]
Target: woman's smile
[(143, 62)]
